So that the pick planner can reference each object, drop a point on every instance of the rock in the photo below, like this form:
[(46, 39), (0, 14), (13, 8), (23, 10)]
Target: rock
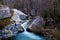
[(4, 22), (49, 22), (33, 13), (4, 12), (18, 15), (11, 30), (37, 24), (4, 16), (29, 30), (10, 26), (51, 32), (23, 17), (6, 19), (20, 30)]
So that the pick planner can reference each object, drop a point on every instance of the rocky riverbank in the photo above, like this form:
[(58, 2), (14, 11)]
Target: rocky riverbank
[(10, 25)]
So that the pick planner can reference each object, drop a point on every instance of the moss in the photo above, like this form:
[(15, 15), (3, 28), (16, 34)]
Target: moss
[(4, 22)]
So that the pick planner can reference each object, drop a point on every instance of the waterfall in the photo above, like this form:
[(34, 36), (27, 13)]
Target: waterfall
[(24, 25)]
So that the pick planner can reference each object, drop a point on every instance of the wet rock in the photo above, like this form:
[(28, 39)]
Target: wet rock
[(21, 29), (29, 30)]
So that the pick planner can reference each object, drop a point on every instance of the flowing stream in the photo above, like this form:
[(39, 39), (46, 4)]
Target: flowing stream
[(28, 35)]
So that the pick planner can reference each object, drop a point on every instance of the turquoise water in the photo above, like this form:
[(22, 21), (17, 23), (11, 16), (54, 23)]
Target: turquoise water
[(28, 36)]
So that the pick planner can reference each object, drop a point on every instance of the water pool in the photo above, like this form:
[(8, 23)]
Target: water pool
[(28, 36)]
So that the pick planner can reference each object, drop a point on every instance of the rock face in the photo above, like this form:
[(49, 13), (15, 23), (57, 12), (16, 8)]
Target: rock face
[(4, 12)]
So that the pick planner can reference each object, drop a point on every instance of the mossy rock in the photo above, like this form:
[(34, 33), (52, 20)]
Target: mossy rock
[(4, 22)]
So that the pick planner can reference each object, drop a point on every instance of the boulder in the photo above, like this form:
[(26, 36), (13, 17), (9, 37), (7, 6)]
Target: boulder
[(4, 12), (36, 25)]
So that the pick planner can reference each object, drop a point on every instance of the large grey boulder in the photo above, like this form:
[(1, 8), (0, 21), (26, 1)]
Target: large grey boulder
[(36, 25), (4, 12), (38, 21)]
